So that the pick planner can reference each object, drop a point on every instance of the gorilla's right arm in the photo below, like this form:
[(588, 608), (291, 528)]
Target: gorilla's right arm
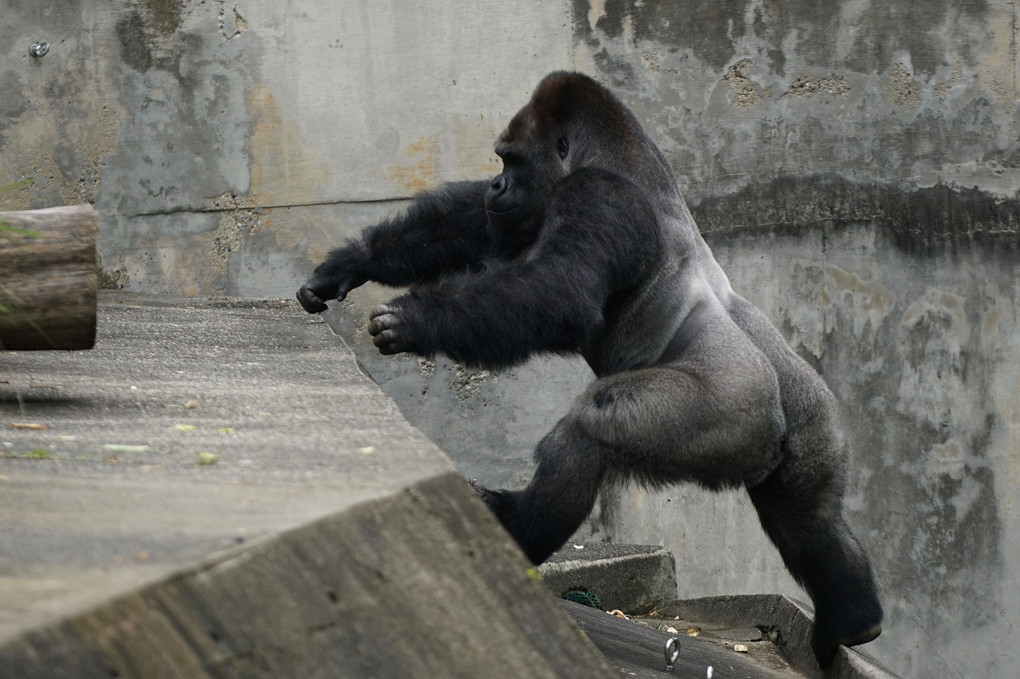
[(598, 239), (442, 230)]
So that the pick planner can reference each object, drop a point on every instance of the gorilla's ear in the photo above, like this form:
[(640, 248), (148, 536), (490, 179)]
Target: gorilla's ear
[(563, 147)]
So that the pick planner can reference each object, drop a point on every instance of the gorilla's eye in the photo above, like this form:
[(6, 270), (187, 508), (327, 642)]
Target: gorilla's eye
[(562, 147)]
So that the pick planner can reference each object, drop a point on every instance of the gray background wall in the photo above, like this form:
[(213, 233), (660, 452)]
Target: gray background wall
[(854, 165)]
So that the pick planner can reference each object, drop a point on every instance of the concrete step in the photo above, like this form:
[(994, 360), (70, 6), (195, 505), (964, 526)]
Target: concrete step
[(630, 578), (640, 581), (783, 621)]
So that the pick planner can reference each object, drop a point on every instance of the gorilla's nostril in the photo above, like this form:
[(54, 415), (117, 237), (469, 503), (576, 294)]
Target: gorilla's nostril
[(500, 183)]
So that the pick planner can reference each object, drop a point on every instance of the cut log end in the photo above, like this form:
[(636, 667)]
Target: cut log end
[(48, 278)]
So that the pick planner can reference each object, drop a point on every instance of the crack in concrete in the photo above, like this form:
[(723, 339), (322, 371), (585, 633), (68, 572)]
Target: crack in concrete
[(261, 208)]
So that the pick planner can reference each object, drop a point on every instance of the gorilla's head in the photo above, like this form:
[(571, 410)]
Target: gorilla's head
[(570, 123)]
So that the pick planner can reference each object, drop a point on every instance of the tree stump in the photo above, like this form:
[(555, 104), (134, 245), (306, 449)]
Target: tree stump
[(48, 278)]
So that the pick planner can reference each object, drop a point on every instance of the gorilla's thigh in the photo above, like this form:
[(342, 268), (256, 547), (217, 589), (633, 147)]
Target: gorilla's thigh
[(715, 420)]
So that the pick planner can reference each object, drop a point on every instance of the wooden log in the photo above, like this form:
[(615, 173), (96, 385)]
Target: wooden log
[(48, 278)]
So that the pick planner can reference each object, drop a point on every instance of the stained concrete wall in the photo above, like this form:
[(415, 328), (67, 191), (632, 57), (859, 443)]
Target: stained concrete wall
[(224, 142), (854, 166)]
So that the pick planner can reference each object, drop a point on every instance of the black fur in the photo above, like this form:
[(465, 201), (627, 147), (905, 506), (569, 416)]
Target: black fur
[(584, 244)]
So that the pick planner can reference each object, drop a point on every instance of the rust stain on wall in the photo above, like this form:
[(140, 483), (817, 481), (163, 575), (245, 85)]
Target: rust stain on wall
[(870, 296), (282, 172), (419, 174), (845, 296)]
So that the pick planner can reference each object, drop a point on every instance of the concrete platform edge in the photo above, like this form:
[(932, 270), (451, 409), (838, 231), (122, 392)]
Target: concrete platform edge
[(407, 585)]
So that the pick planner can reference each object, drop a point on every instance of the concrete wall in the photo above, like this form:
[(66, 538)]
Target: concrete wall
[(854, 166), (224, 142)]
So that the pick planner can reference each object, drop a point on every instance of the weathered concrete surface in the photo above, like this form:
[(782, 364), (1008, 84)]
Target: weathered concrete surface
[(636, 648), (630, 578), (741, 92), (851, 164), (128, 550), (784, 621)]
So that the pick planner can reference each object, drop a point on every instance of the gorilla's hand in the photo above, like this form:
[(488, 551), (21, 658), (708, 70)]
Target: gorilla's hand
[(392, 329), (314, 294)]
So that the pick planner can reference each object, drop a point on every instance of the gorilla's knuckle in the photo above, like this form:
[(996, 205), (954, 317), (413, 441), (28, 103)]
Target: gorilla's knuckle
[(309, 300)]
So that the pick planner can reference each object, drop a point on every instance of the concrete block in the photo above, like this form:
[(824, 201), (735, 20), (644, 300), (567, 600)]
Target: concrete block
[(418, 584), (631, 578)]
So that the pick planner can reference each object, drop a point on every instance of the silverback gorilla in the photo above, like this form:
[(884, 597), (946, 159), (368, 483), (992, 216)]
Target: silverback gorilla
[(584, 244)]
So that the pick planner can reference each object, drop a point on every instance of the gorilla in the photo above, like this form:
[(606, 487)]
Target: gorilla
[(584, 244)]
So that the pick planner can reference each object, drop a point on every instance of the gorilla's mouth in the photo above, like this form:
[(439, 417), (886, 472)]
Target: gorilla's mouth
[(504, 217)]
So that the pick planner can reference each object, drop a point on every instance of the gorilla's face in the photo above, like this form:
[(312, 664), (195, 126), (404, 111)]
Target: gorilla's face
[(535, 156)]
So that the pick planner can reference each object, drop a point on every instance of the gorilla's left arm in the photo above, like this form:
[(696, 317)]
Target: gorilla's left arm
[(600, 236), (442, 229)]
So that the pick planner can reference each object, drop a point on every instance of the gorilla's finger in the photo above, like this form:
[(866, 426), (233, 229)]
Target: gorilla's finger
[(380, 323), (388, 342), (383, 309)]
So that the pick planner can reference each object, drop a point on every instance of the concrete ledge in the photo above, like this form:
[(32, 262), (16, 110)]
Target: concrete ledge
[(786, 622), (631, 578), (636, 647)]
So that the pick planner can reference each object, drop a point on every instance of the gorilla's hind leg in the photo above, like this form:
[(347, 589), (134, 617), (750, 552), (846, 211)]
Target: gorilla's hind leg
[(560, 496), (823, 555)]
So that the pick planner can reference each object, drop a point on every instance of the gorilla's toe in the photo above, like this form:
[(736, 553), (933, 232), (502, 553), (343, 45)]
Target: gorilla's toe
[(826, 647)]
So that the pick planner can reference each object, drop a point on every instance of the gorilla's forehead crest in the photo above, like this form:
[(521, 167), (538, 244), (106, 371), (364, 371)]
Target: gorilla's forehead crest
[(560, 98)]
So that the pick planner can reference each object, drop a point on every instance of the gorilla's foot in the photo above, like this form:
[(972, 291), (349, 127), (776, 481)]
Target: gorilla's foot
[(499, 501), (826, 642), (489, 497), (479, 489)]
